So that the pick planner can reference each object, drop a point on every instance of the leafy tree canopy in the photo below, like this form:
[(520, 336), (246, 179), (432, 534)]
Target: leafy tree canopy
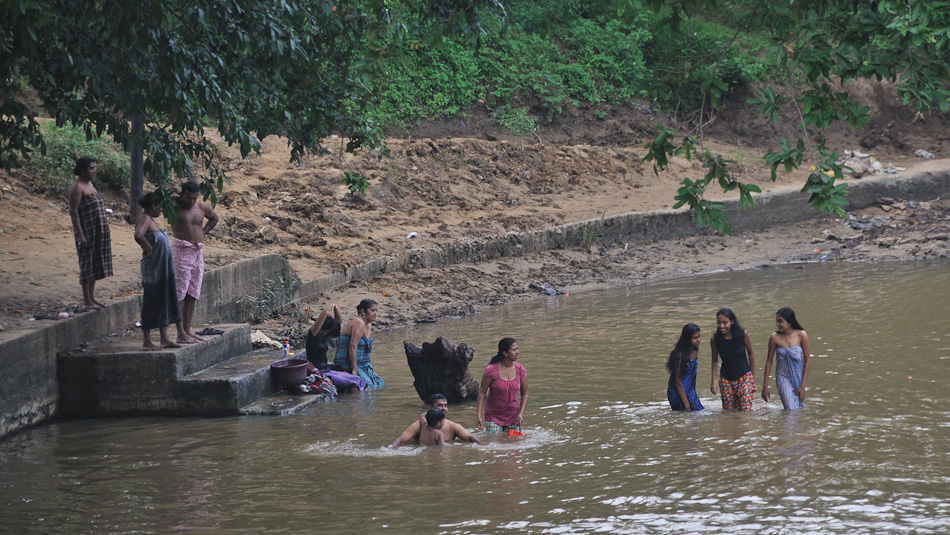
[(311, 68), (245, 68), (819, 46)]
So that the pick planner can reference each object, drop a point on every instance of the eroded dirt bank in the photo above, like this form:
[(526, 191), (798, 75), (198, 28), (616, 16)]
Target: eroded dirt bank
[(906, 231), (445, 183)]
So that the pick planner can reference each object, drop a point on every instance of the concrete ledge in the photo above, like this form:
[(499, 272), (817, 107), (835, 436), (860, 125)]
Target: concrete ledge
[(281, 404), (113, 377), (29, 390), (228, 387), (771, 209)]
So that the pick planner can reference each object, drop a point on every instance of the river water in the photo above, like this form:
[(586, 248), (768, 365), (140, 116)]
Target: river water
[(603, 454)]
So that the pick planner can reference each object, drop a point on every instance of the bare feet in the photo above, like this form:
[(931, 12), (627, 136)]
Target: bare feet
[(90, 306), (99, 304), (169, 344), (195, 339), (185, 340), (151, 348)]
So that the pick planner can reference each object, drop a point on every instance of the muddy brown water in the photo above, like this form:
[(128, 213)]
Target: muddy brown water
[(603, 454)]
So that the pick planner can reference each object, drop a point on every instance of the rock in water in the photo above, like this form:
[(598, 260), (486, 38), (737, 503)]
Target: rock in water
[(442, 368)]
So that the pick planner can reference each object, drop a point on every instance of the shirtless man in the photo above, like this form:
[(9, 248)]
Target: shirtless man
[(450, 429), (189, 231)]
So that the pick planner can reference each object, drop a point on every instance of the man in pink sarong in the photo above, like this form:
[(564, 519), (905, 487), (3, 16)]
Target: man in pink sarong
[(189, 231)]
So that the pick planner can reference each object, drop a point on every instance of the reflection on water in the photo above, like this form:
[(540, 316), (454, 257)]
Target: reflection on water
[(603, 452)]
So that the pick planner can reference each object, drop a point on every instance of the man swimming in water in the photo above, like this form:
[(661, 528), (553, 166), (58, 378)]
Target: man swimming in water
[(450, 429)]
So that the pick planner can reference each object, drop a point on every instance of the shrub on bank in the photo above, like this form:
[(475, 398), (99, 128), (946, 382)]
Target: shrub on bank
[(52, 173), (561, 54)]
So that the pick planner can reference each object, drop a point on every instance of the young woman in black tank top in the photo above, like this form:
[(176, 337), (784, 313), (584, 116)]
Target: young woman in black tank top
[(736, 384)]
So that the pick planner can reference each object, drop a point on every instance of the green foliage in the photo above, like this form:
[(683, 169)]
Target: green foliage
[(64, 145), (429, 82), (584, 58), (826, 196), (357, 183), (660, 148), (518, 121), (614, 51), (700, 58), (311, 68), (301, 68), (707, 213), (788, 157), (769, 104), (817, 45)]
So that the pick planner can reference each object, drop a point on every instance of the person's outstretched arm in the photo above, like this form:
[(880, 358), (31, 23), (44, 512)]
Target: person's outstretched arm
[(407, 435), (463, 434)]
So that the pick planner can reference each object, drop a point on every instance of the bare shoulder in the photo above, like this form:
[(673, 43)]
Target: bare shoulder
[(77, 189), (453, 426)]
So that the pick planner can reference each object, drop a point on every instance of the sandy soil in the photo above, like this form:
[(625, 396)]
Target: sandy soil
[(444, 182)]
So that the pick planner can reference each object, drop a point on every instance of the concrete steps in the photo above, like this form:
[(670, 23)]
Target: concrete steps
[(221, 376), (242, 385), (281, 404), (226, 387)]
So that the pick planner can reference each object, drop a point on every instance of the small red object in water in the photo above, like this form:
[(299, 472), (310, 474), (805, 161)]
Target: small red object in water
[(817, 250), (515, 433)]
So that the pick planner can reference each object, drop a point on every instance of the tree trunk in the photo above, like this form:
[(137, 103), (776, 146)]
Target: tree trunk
[(442, 368), (137, 180)]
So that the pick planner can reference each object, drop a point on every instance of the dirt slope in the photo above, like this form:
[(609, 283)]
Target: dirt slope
[(445, 181)]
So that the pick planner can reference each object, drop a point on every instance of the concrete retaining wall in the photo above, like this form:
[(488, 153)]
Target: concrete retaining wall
[(29, 390)]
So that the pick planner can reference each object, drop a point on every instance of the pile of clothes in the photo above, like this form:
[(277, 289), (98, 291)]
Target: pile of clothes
[(317, 383)]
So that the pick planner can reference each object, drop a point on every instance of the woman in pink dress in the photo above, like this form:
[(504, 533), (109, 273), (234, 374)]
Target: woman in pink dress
[(503, 394)]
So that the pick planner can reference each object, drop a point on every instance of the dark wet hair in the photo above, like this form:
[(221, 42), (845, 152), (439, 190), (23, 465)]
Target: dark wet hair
[(435, 398), (738, 331), (503, 345), (365, 304), (680, 353), (789, 316), (189, 187), (147, 201), (332, 325), (82, 164), (434, 416)]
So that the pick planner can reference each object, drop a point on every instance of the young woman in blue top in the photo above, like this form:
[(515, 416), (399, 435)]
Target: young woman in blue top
[(356, 344), (682, 364)]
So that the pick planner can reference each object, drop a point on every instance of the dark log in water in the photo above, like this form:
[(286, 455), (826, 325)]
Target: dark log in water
[(442, 368)]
